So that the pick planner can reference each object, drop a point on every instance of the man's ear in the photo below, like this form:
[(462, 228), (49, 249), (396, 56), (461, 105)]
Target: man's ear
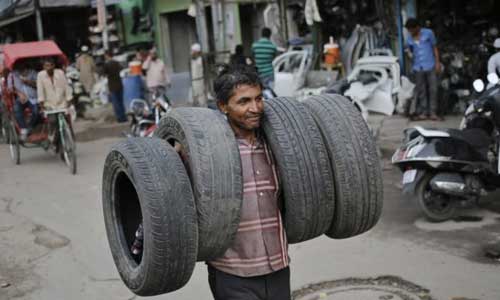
[(222, 106)]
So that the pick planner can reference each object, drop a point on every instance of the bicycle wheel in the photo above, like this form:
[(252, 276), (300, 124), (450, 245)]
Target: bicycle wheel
[(68, 147), (13, 141)]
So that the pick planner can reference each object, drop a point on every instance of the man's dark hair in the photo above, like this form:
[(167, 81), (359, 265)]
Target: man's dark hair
[(232, 76), (411, 23), (266, 32)]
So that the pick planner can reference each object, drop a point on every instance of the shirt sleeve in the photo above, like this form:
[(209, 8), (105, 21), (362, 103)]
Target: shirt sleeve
[(39, 88), (69, 91), (146, 63), (10, 81), (491, 65), (432, 38)]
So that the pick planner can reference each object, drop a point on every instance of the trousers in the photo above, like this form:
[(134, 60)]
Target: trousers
[(426, 88), (273, 286)]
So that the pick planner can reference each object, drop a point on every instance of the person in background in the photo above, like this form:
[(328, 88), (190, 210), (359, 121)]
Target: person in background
[(494, 61), (197, 77), (264, 51), (421, 44), (22, 82), (54, 92), (239, 58), (111, 70), (86, 65), (156, 74)]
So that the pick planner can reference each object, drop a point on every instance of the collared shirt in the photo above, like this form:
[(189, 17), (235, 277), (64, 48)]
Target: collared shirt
[(260, 246), (55, 92), (264, 52), (14, 82), (494, 64), (423, 50), (156, 74)]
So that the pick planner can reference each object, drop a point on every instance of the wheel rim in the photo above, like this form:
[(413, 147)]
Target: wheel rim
[(436, 203)]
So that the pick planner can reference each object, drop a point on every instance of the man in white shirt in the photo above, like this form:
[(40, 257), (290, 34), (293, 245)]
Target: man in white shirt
[(156, 74), (494, 61), (197, 79)]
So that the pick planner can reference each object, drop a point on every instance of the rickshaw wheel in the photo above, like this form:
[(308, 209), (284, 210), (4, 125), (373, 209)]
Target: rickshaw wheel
[(13, 141), (68, 149)]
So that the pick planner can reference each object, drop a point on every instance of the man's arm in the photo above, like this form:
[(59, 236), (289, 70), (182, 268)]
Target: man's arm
[(492, 66), (436, 56), (39, 89)]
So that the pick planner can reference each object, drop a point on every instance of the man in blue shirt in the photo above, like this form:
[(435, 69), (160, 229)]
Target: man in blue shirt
[(422, 45), (22, 81)]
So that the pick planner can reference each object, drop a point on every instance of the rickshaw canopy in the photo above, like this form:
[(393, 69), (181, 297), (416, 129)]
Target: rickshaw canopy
[(18, 51)]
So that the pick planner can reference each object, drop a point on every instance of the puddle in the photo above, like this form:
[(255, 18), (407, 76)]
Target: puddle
[(379, 288)]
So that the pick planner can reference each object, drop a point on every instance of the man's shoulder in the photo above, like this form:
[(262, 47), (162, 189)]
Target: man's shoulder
[(426, 31)]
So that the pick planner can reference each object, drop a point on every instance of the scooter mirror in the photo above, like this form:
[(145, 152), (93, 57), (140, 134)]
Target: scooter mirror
[(478, 85), (493, 78)]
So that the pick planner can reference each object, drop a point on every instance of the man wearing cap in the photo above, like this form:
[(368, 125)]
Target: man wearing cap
[(86, 65), (156, 73), (494, 61), (197, 79)]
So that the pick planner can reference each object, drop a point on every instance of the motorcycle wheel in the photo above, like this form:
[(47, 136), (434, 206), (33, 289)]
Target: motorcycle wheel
[(437, 207)]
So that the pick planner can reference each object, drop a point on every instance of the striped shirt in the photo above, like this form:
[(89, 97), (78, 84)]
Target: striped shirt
[(260, 246), (264, 52)]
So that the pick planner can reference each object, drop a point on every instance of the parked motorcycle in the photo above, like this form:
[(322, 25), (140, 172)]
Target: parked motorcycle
[(450, 168), (145, 118), (81, 99)]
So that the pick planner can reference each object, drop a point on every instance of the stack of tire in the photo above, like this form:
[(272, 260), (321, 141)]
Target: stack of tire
[(185, 185)]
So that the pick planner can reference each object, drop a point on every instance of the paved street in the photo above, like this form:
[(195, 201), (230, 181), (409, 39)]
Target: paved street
[(53, 244)]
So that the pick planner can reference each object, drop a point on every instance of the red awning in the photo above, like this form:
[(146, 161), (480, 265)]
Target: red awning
[(17, 51)]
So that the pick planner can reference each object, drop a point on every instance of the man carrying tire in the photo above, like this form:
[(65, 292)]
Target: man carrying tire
[(255, 266)]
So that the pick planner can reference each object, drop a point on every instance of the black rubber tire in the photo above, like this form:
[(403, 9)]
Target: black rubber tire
[(423, 193), (13, 140), (355, 164), (213, 163), (303, 166), (144, 181)]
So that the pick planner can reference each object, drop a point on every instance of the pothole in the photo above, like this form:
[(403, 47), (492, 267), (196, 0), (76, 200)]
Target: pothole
[(379, 288), (48, 238)]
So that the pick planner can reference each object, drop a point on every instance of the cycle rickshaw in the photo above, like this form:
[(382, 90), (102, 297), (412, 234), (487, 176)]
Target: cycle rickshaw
[(56, 134)]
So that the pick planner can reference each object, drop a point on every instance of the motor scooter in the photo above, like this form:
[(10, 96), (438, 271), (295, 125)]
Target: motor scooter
[(145, 118), (450, 168)]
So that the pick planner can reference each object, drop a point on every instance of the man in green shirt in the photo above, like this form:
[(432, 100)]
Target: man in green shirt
[(264, 52)]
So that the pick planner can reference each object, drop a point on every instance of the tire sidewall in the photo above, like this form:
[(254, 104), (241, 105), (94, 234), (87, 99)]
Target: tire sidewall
[(132, 273)]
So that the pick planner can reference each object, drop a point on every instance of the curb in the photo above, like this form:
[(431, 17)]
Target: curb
[(93, 131)]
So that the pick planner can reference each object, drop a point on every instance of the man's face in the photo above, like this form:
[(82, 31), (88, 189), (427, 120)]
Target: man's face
[(49, 67), (245, 108), (414, 31)]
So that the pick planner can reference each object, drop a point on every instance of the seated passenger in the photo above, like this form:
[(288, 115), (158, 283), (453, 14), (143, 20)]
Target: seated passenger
[(22, 82)]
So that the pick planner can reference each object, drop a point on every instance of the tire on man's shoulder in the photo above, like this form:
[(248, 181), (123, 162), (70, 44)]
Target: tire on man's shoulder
[(144, 180), (303, 167), (355, 164), (212, 159)]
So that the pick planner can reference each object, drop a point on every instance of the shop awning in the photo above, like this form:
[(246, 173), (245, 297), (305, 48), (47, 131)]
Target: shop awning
[(7, 21), (63, 3), (12, 11)]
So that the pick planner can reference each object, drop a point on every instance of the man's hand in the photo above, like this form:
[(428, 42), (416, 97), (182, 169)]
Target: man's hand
[(438, 68), (22, 97)]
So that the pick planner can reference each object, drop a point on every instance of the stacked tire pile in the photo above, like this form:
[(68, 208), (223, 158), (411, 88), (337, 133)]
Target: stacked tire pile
[(185, 186)]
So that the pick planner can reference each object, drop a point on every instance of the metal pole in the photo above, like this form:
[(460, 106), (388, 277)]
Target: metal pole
[(400, 36), (102, 19), (201, 26), (39, 25)]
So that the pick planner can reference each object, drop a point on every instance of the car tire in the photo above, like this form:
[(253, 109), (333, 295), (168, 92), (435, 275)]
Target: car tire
[(210, 153), (303, 167), (355, 165), (144, 180)]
